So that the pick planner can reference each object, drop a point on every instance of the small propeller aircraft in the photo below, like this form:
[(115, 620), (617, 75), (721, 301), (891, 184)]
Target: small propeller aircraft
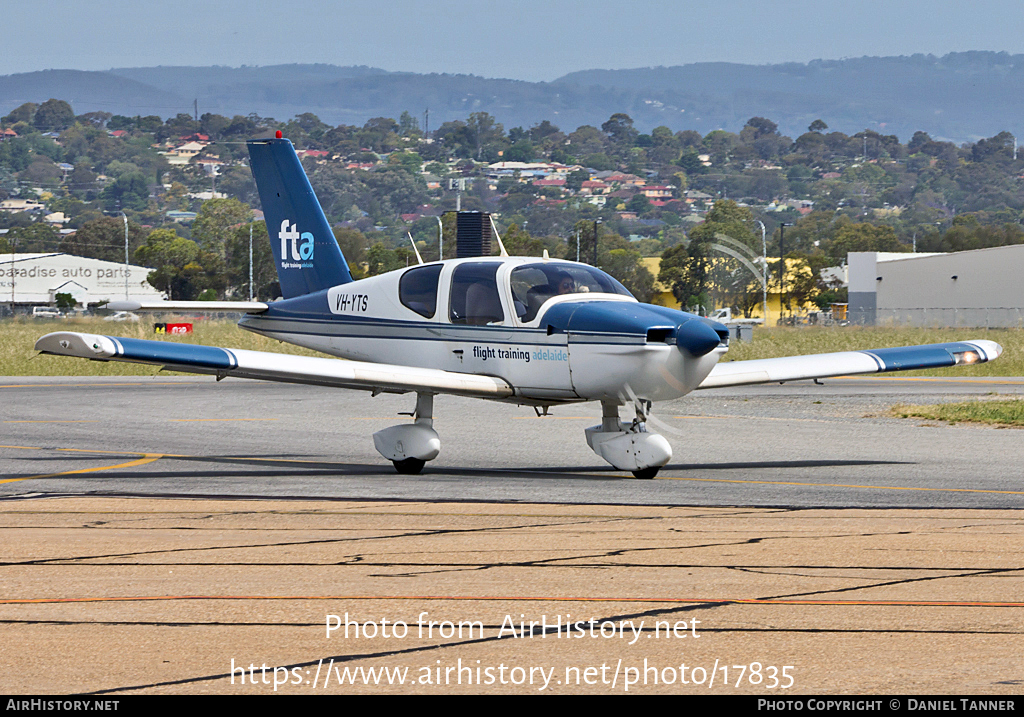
[(528, 331)]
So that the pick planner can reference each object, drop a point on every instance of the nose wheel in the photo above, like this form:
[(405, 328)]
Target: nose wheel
[(646, 473), (413, 466)]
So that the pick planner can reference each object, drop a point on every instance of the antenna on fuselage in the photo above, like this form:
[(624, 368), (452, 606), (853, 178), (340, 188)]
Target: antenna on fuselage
[(419, 259), (496, 236)]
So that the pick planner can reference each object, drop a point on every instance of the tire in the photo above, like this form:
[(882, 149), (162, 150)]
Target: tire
[(646, 473), (409, 466)]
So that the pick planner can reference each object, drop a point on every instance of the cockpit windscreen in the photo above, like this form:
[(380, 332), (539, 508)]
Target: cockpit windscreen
[(533, 284)]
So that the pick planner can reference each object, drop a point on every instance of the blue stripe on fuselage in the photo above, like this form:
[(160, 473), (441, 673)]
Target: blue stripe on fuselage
[(616, 321)]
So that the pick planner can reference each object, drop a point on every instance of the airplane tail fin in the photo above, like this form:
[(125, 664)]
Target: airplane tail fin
[(306, 254)]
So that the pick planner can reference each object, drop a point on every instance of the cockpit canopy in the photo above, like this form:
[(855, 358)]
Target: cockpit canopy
[(475, 297), (533, 284)]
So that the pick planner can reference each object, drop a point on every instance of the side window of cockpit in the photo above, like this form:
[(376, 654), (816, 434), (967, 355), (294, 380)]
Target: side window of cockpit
[(417, 290), (474, 297), (531, 287)]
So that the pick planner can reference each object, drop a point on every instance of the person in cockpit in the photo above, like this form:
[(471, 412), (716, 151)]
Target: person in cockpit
[(564, 283)]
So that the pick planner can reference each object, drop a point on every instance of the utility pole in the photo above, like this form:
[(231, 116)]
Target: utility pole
[(597, 223), (250, 261), (440, 238)]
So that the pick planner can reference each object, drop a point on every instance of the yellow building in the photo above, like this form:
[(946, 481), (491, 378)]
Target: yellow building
[(663, 295)]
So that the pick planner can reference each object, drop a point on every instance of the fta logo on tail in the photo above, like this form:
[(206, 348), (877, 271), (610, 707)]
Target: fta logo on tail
[(293, 249)]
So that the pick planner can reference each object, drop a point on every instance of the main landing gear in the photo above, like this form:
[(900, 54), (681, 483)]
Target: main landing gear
[(410, 445), (629, 448)]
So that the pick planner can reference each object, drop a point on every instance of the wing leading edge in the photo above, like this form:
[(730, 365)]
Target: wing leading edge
[(267, 366), (252, 307), (847, 363)]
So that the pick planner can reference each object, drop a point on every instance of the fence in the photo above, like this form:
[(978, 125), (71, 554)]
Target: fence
[(988, 317)]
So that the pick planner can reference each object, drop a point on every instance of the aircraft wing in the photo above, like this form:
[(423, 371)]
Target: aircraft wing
[(268, 366), (251, 307), (848, 363)]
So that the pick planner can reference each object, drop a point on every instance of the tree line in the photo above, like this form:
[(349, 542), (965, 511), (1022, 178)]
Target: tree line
[(866, 191)]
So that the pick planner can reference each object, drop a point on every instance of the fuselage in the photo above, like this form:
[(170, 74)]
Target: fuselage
[(556, 331)]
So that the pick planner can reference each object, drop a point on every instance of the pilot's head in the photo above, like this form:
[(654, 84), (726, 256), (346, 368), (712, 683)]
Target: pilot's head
[(564, 283)]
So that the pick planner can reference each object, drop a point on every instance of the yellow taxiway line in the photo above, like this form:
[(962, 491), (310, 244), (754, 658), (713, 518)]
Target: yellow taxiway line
[(150, 457), (94, 385), (147, 458)]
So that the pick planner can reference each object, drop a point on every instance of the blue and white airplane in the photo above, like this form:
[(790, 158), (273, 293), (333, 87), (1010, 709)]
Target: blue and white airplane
[(528, 331)]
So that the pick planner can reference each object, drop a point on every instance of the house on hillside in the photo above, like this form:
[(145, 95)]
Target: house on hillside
[(549, 183), (625, 179), (212, 165), (180, 156), (658, 191), (15, 206), (595, 186), (319, 155)]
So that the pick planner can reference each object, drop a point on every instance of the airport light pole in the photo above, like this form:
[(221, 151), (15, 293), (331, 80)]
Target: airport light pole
[(764, 271), (125, 217), (14, 246), (782, 261), (440, 239)]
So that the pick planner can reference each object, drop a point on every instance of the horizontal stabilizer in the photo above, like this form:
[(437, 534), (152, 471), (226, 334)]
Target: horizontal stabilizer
[(848, 363), (268, 366), (250, 307)]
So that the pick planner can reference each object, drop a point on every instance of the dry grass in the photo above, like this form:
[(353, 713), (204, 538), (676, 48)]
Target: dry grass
[(17, 357)]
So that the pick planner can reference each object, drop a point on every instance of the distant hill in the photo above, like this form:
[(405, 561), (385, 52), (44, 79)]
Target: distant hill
[(959, 97), (87, 92)]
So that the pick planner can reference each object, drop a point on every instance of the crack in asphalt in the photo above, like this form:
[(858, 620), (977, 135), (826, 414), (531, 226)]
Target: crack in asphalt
[(416, 534)]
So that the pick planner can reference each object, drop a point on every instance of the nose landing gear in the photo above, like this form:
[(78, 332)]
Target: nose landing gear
[(629, 448)]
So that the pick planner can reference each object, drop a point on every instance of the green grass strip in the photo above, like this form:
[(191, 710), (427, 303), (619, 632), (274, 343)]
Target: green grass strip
[(1001, 413)]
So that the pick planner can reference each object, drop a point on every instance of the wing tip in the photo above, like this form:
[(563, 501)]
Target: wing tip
[(70, 343), (991, 349)]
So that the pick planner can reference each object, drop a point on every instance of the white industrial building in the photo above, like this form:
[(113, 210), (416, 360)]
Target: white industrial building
[(28, 280), (975, 288)]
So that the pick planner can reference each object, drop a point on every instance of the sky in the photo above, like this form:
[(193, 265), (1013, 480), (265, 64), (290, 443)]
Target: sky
[(534, 40)]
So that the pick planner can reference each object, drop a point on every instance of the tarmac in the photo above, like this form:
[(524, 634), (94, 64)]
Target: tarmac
[(159, 536)]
